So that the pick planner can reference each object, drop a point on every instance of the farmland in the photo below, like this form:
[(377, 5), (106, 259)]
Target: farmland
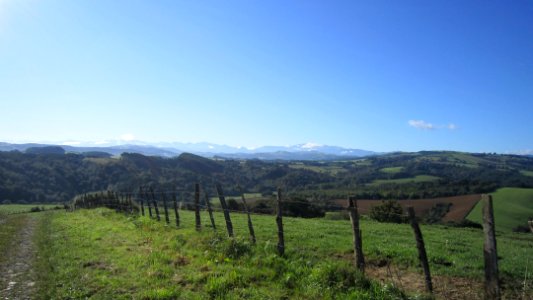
[(22, 208), (51, 178), (418, 178), (458, 206)]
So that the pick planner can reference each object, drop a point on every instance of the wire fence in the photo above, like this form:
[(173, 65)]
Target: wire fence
[(166, 205)]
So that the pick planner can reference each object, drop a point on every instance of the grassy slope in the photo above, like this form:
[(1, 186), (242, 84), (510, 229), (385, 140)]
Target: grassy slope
[(102, 254), (391, 170), (512, 207), (418, 178), (527, 173)]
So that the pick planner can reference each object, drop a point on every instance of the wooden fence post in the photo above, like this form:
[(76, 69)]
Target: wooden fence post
[(492, 285), (126, 201), (155, 204), (279, 221), (129, 203), (530, 225), (250, 225), (197, 206), (421, 248), (357, 238), (167, 219), (210, 211), (227, 217), (149, 208), (175, 201)]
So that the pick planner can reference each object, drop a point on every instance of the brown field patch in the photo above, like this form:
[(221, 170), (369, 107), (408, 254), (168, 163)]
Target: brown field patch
[(460, 206), (445, 287)]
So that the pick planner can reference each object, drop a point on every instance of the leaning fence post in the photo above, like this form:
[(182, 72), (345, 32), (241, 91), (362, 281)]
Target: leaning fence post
[(279, 221), (250, 225), (210, 211), (530, 225), (227, 217), (165, 207), (357, 239), (175, 201), (155, 204), (421, 248), (492, 286), (197, 206)]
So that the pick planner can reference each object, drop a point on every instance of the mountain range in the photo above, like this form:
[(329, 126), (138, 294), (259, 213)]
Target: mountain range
[(308, 151)]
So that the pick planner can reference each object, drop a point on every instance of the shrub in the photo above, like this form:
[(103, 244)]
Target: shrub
[(388, 211), (522, 228), (337, 215), (301, 207), (467, 224)]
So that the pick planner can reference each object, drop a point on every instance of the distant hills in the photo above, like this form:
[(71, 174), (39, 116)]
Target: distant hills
[(48, 174), (307, 151)]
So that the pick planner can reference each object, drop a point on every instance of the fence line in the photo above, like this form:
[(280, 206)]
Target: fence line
[(130, 203)]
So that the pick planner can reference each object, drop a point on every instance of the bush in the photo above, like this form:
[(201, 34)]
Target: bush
[(388, 211), (301, 207), (467, 224), (522, 228), (337, 215), (35, 209)]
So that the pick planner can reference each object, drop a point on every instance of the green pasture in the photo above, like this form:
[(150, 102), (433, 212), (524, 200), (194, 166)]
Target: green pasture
[(512, 207), (527, 173), (102, 254), (22, 208), (391, 170), (418, 178)]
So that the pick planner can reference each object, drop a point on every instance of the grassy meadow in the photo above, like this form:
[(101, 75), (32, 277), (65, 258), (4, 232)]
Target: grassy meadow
[(512, 207), (102, 254), (418, 178), (22, 208)]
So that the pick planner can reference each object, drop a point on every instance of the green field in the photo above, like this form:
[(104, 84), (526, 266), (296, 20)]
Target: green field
[(102, 254), (391, 170), (418, 178), (327, 169), (512, 207), (527, 173), (21, 208)]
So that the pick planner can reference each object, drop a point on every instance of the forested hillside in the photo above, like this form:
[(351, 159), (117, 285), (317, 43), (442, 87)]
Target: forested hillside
[(56, 177)]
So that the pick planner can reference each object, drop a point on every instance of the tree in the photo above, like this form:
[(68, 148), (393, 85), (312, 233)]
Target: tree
[(388, 211)]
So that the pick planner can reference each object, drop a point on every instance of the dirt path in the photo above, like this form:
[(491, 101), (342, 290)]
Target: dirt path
[(17, 278)]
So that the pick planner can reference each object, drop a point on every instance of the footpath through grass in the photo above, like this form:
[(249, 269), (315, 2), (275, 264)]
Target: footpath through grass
[(102, 254)]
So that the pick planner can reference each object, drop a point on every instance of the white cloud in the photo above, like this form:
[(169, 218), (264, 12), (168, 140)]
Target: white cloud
[(127, 137), (451, 126), (310, 145), (71, 143), (421, 124), (522, 152)]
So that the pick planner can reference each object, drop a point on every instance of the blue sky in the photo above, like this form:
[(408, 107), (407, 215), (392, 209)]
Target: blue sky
[(376, 75)]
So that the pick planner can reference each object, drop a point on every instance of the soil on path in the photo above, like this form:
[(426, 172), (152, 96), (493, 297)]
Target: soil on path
[(17, 280)]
